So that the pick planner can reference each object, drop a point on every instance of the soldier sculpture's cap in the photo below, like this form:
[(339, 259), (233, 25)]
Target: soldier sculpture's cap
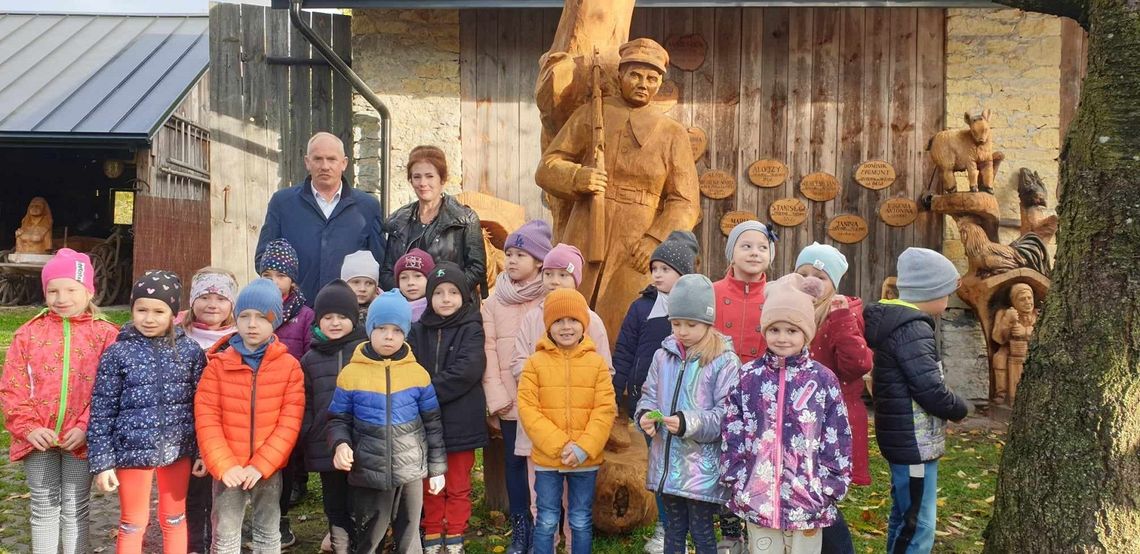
[(646, 51)]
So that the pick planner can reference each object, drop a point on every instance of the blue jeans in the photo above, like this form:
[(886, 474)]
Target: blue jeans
[(515, 473), (548, 490), (914, 508)]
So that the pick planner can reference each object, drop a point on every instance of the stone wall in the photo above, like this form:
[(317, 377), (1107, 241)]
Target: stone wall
[(1010, 62), (410, 58)]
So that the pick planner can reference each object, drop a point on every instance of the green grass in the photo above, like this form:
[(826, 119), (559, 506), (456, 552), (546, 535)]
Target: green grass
[(967, 479)]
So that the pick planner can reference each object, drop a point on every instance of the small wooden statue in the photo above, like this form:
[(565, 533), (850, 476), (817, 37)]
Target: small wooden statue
[(34, 234), (970, 150), (1012, 328)]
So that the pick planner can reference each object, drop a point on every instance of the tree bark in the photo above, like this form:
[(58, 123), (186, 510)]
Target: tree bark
[(1070, 474)]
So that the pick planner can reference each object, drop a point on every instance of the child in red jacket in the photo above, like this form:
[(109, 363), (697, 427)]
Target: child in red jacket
[(839, 345), (739, 298), (46, 394)]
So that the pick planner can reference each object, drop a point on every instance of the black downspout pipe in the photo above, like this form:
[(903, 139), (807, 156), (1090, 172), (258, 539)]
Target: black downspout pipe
[(358, 84)]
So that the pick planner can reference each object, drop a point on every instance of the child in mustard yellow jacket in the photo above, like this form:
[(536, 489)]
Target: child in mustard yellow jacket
[(566, 404)]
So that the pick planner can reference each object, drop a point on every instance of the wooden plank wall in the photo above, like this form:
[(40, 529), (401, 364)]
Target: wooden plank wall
[(263, 115), (821, 89)]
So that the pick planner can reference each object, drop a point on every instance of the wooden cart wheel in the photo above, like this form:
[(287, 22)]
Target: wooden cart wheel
[(8, 290)]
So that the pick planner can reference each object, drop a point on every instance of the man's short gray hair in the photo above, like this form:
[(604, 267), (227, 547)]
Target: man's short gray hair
[(325, 134)]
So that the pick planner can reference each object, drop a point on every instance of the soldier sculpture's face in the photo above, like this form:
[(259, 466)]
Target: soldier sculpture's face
[(639, 83)]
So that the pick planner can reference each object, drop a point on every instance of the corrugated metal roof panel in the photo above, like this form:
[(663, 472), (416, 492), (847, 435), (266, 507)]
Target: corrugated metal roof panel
[(470, 4), (91, 78)]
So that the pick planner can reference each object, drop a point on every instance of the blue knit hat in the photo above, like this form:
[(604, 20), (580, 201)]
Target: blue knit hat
[(389, 308), (826, 258), (925, 275), (262, 295), (744, 227), (279, 255)]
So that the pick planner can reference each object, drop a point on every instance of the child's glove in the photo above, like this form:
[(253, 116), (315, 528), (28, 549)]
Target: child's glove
[(107, 480), (435, 484)]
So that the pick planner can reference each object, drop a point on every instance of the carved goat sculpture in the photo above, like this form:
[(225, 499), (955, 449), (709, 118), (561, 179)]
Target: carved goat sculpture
[(970, 150)]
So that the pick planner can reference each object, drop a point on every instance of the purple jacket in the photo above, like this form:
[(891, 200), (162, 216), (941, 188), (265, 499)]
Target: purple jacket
[(296, 333), (786, 453)]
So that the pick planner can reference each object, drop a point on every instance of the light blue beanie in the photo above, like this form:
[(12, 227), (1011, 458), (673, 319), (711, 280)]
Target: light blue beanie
[(262, 295), (389, 308), (743, 227), (826, 258), (925, 275)]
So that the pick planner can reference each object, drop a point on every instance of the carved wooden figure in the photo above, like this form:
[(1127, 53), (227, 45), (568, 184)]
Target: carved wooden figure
[(970, 150), (649, 182), (34, 234), (1011, 329)]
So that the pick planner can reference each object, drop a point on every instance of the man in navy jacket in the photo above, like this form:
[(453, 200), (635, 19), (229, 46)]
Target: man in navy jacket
[(323, 217)]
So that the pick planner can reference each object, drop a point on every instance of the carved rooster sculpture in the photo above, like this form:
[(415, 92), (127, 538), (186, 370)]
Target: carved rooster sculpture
[(990, 258)]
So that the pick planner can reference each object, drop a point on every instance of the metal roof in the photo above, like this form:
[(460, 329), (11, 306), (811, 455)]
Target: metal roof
[(95, 79), (471, 4)]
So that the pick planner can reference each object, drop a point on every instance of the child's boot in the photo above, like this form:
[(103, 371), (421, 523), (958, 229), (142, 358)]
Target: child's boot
[(522, 534), (433, 544)]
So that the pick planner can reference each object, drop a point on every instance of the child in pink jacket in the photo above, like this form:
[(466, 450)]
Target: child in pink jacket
[(45, 391), (517, 290)]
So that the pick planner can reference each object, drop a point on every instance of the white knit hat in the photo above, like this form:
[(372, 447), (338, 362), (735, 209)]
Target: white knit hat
[(360, 264)]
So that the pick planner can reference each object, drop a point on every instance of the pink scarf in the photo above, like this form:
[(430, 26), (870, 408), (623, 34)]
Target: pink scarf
[(511, 292)]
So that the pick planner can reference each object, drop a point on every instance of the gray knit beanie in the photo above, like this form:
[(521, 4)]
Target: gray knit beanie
[(692, 298), (925, 275), (744, 227), (679, 251)]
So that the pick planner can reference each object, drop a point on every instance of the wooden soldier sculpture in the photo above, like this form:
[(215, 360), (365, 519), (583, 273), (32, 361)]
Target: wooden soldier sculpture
[(1012, 328), (649, 182), (34, 234)]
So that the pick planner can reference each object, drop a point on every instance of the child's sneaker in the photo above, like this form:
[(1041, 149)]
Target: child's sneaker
[(326, 543), (656, 543), (730, 546), (433, 544), (453, 545)]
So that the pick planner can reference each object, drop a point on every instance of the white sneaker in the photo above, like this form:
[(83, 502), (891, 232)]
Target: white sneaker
[(656, 543), (326, 543), (730, 546), (456, 548), (433, 549)]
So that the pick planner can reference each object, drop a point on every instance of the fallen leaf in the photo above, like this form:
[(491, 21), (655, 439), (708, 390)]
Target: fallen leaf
[(942, 533), (498, 549), (990, 500), (961, 474)]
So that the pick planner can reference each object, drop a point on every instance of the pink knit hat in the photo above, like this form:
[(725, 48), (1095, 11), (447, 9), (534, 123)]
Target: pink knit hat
[(69, 264), (565, 256), (791, 299)]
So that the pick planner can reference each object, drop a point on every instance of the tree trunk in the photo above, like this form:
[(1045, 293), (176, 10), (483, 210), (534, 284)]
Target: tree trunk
[(495, 476), (1070, 474)]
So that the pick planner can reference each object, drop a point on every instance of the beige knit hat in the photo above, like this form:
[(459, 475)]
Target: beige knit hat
[(791, 299)]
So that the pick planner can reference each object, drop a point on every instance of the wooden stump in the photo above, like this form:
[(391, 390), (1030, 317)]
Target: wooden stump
[(495, 476), (621, 501)]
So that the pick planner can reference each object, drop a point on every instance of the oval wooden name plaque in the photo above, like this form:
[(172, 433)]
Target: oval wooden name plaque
[(787, 212), (820, 186), (875, 174), (767, 173), (847, 228), (898, 212), (732, 219), (698, 141), (717, 184), (687, 52)]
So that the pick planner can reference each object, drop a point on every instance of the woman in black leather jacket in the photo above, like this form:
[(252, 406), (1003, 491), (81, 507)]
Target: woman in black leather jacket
[(435, 223)]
